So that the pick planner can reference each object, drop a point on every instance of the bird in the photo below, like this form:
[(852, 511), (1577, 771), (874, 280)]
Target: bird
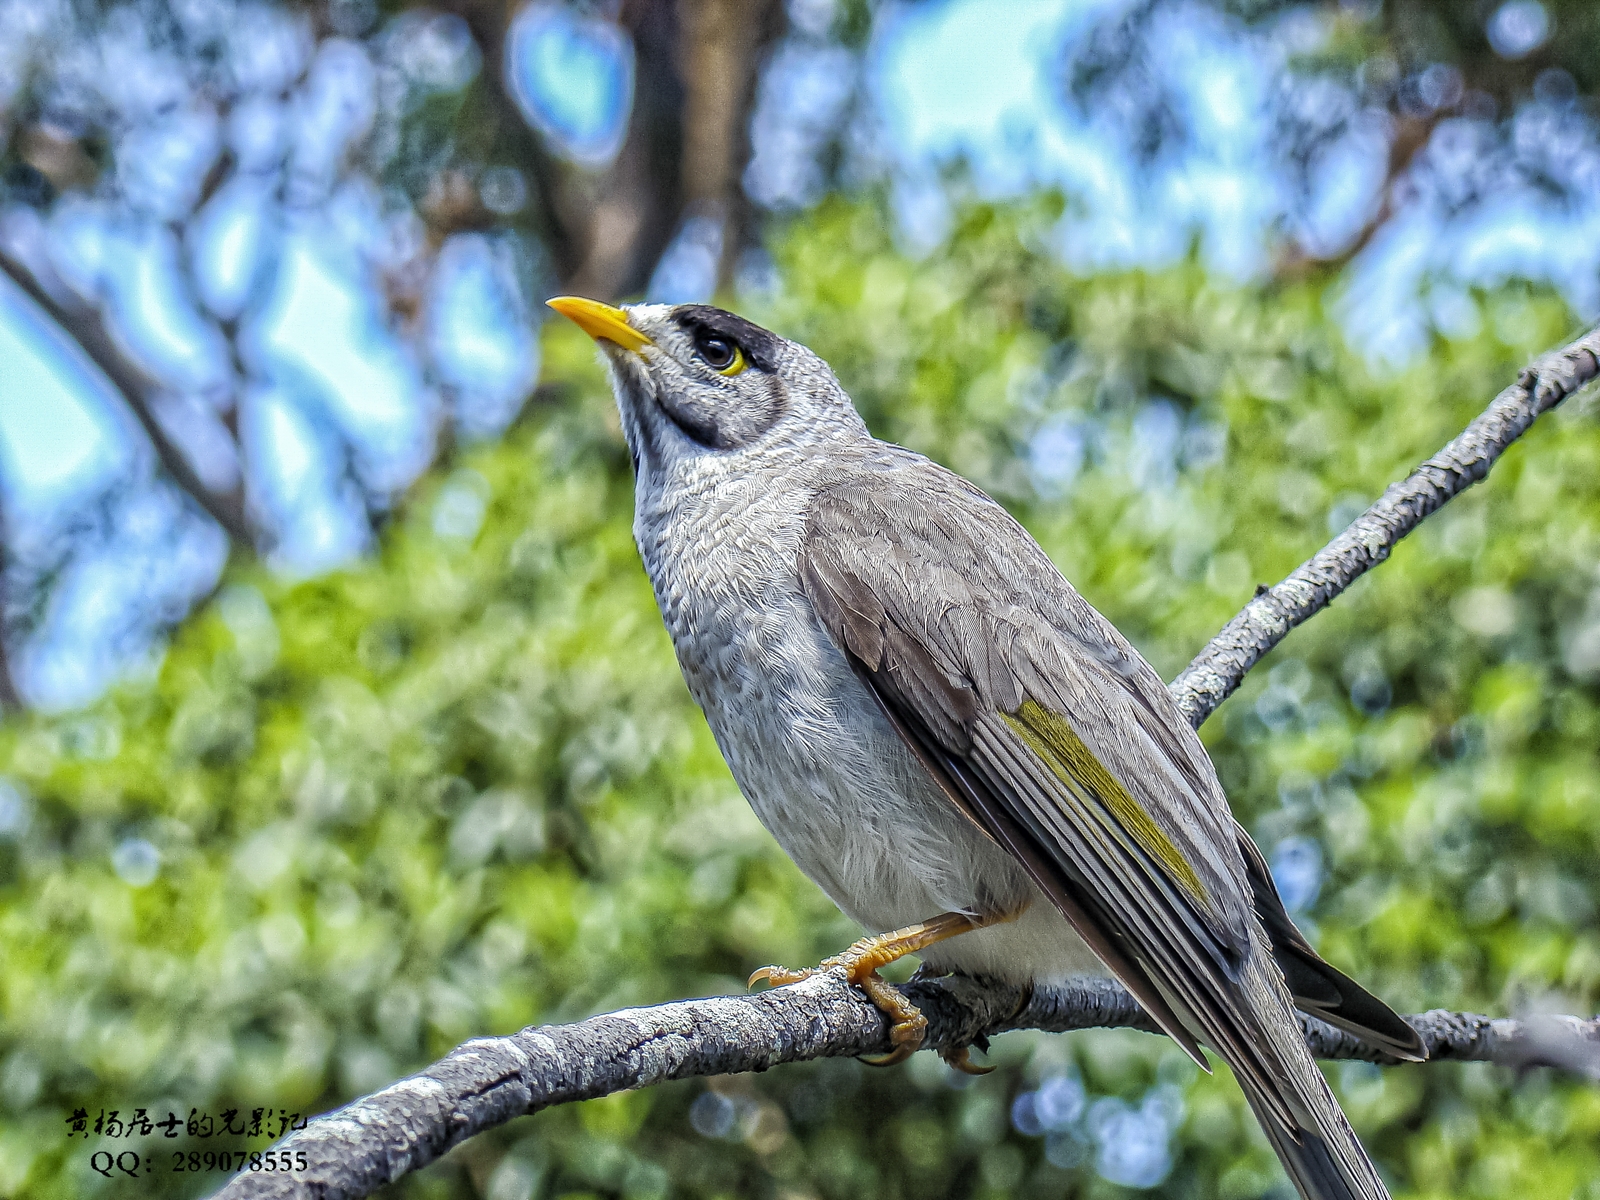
[(943, 735)]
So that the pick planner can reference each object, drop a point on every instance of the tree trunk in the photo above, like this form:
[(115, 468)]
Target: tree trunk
[(720, 53)]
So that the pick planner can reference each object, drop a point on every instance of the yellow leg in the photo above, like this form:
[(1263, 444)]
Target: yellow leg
[(860, 964)]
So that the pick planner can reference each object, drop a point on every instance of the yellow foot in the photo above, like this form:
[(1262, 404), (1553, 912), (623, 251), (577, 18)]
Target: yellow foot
[(859, 965)]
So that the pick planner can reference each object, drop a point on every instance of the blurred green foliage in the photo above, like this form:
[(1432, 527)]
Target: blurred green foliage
[(459, 788)]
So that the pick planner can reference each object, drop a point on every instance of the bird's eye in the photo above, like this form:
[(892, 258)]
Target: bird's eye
[(721, 355)]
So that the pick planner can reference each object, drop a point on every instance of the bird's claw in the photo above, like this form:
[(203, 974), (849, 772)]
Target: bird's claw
[(896, 1056), (906, 1022), (781, 976), (960, 1059), (859, 966)]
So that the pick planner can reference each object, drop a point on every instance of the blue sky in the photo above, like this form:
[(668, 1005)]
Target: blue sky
[(943, 80), (56, 428), (949, 80)]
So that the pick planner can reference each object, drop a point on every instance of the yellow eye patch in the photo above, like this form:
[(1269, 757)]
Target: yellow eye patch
[(736, 365)]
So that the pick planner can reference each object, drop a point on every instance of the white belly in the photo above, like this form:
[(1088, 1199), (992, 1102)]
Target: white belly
[(830, 777)]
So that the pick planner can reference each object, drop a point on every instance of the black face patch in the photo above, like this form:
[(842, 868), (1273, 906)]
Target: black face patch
[(760, 347), (690, 414), (725, 419)]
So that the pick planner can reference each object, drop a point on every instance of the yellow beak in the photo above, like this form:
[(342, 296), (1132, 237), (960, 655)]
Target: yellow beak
[(600, 321)]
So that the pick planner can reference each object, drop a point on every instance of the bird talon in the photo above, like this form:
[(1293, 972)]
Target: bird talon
[(779, 976), (896, 1056), (961, 1060), (859, 966), (909, 1030)]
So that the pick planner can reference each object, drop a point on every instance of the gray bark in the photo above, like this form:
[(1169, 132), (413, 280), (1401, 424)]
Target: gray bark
[(354, 1151), (1218, 669), (375, 1140)]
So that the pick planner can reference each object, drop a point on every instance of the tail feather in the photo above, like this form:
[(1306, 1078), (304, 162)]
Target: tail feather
[(1318, 1148), (1319, 988), (1320, 1167), (1350, 1006)]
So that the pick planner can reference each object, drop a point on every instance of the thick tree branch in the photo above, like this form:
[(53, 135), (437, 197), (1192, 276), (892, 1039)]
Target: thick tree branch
[(1218, 669), (687, 143), (83, 324), (486, 1082), (721, 46)]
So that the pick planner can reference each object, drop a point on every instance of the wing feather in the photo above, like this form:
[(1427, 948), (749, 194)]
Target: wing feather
[(1158, 934), (1053, 734)]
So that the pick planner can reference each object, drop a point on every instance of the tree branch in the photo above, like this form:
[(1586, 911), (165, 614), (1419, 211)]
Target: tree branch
[(630, 211), (83, 325), (10, 696), (486, 1082), (1218, 669)]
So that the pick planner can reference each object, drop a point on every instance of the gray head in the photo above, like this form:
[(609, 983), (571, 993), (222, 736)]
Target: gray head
[(699, 387)]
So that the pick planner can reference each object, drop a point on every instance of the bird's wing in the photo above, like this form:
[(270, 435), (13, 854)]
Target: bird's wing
[(1053, 734)]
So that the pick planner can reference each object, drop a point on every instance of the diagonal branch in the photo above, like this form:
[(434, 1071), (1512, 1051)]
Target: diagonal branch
[(1218, 669), (10, 696), (359, 1148), (83, 324)]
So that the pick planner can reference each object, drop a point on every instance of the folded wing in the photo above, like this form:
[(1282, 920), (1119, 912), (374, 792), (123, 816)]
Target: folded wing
[(1051, 733)]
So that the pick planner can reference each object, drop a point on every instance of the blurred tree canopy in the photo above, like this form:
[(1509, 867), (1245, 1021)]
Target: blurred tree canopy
[(250, 218), (458, 787), (1469, 104), (293, 252), (342, 819)]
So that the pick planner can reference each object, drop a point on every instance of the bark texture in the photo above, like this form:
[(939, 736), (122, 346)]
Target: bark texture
[(359, 1148)]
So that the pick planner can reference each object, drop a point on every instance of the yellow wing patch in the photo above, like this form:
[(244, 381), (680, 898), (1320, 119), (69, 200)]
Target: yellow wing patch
[(1059, 747)]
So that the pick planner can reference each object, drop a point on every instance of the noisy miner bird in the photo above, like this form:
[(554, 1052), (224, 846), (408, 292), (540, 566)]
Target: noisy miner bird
[(944, 735)]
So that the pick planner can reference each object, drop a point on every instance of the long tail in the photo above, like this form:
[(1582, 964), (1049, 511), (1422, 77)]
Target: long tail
[(1323, 1168), (1318, 1148)]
